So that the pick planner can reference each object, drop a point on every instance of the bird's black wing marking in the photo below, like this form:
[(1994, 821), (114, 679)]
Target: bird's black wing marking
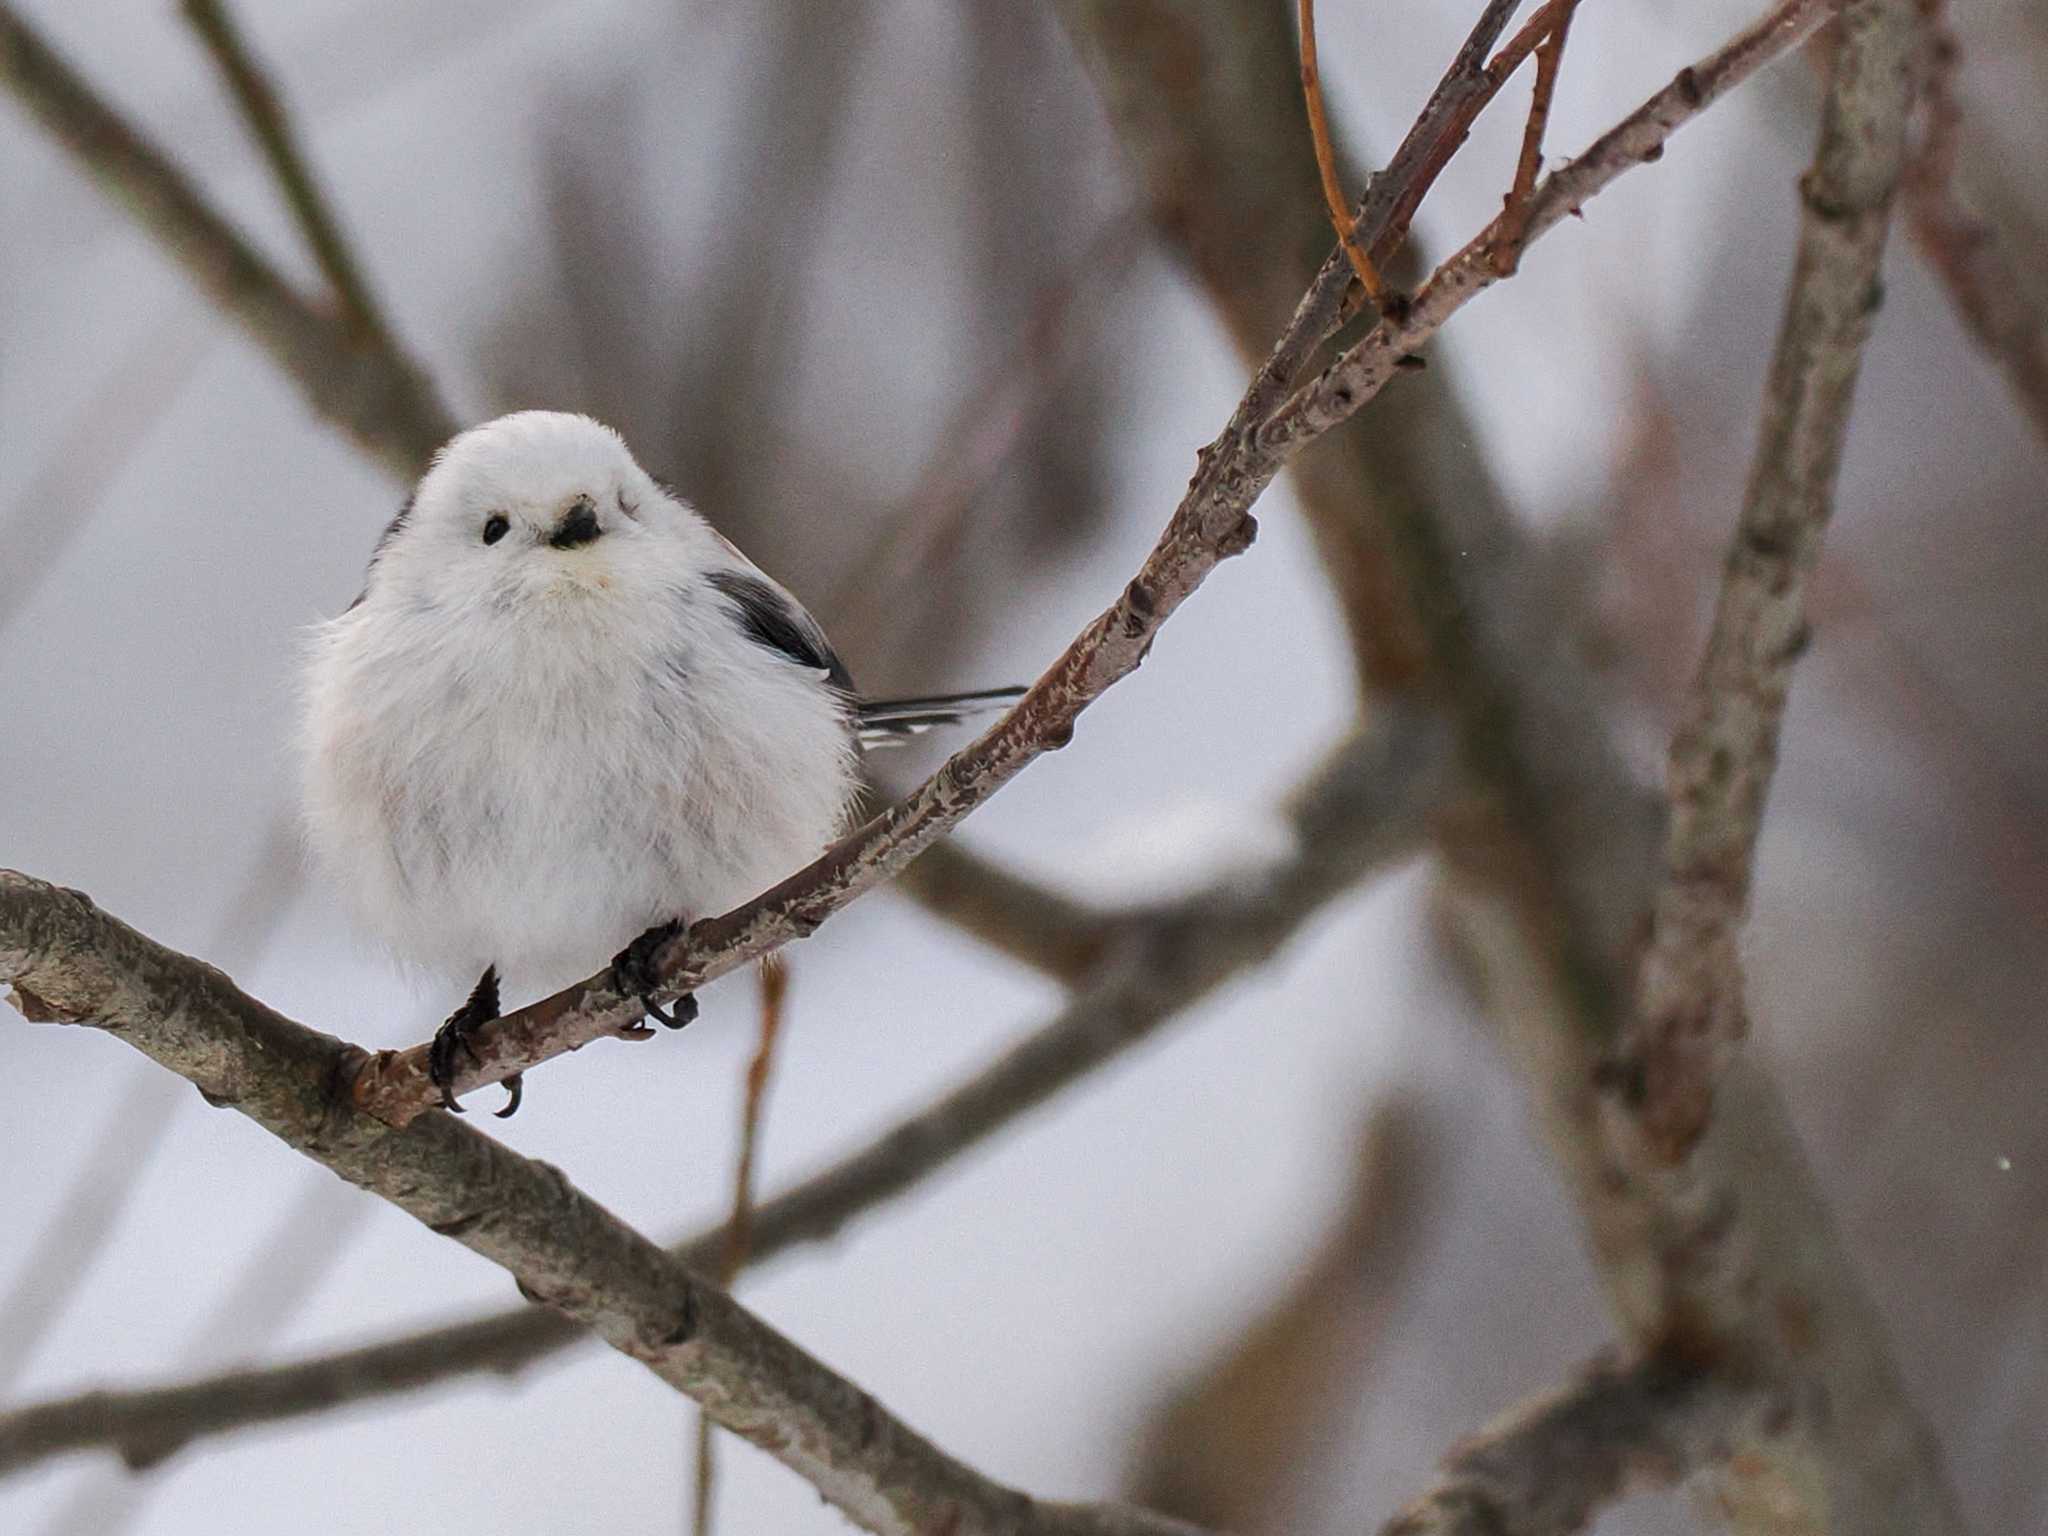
[(773, 618), (391, 531)]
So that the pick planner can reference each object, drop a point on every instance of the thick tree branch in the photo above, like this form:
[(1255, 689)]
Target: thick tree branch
[(373, 394), (1550, 1466), (80, 965), (1690, 1015), (1367, 806)]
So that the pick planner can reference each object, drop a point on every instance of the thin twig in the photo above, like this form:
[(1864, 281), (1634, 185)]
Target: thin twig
[(1690, 1013), (1341, 217), (739, 1235), (1549, 55), (1369, 366), (268, 123), (75, 963), (1387, 208), (1217, 151), (1363, 809), (1962, 245), (376, 396)]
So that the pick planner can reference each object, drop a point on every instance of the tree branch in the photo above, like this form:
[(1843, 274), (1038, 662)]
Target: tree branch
[(1735, 1252), (1549, 56), (773, 976), (1326, 164), (1367, 806), (375, 396), (80, 965), (1205, 98), (1212, 523), (1049, 931), (1963, 246), (264, 113), (1690, 1014), (1367, 368), (1548, 1468)]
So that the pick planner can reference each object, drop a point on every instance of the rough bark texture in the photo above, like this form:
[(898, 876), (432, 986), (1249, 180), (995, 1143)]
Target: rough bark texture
[(1365, 807), (1690, 1009), (74, 963)]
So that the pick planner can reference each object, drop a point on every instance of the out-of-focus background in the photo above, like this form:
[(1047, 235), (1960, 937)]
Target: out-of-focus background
[(878, 285)]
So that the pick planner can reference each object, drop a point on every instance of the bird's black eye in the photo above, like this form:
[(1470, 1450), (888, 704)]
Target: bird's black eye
[(495, 526)]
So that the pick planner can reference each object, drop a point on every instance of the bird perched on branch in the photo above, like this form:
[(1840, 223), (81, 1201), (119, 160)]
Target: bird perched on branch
[(566, 712)]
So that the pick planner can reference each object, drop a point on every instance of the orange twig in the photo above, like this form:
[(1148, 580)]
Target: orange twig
[(1326, 162), (1449, 133), (1557, 18)]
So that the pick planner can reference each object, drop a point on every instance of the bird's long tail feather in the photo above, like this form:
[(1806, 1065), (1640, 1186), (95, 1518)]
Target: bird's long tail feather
[(887, 722)]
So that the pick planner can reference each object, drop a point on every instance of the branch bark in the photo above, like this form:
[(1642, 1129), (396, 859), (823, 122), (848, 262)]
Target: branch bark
[(1205, 98), (1547, 887), (375, 395), (1367, 806), (1690, 1013), (77, 964), (1212, 523)]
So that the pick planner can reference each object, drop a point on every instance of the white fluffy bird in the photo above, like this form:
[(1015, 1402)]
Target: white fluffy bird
[(565, 711)]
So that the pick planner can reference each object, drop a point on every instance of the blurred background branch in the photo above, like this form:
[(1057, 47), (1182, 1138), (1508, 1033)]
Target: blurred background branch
[(374, 394), (915, 234)]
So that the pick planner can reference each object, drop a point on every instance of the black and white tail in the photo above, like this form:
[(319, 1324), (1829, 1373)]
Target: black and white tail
[(890, 722)]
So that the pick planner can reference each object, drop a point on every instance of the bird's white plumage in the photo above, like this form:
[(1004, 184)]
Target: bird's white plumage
[(523, 755)]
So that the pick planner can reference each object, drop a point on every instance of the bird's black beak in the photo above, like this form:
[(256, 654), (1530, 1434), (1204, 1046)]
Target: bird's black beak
[(576, 529)]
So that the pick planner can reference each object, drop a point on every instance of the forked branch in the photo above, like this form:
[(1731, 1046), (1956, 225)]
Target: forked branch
[(1212, 523), (373, 394), (1365, 807), (81, 966)]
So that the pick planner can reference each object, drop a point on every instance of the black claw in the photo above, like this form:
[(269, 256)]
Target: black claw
[(634, 975), (685, 1010), (514, 1087), (453, 1036)]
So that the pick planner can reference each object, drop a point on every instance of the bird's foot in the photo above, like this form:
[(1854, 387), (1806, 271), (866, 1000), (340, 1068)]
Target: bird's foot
[(453, 1036), (633, 974)]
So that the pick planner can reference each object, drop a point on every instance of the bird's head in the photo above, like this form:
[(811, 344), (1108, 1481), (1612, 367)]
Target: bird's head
[(532, 507)]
